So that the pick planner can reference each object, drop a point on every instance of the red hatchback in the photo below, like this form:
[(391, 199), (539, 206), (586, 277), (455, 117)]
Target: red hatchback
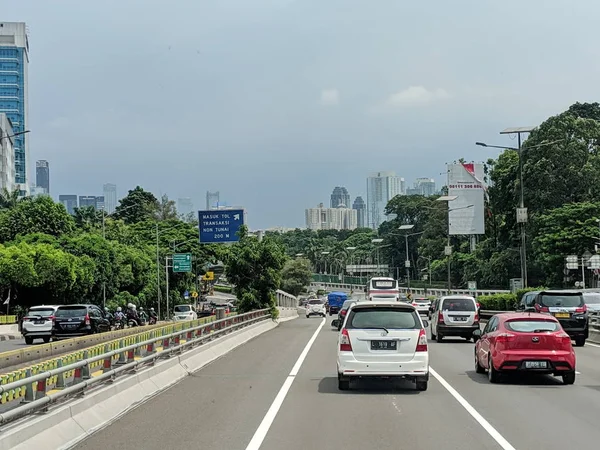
[(524, 342)]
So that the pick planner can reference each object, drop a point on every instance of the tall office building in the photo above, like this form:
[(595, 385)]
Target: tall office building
[(70, 202), (7, 154), (14, 61), (321, 218), (381, 188), (425, 186), (110, 197), (185, 206), (87, 200), (361, 212), (212, 200), (340, 196), (42, 175)]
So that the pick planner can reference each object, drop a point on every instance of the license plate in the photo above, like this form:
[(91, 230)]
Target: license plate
[(384, 345), (39, 322), (536, 364), (460, 319), (562, 315)]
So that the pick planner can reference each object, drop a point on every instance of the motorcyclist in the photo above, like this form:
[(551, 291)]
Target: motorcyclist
[(119, 314), (132, 314), (109, 316), (143, 316), (153, 316)]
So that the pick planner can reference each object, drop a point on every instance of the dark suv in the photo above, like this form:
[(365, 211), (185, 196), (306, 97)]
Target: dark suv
[(79, 320), (567, 306)]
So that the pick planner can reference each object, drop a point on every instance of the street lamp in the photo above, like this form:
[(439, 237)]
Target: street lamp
[(377, 241), (351, 249), (407, 262), (325, 259)]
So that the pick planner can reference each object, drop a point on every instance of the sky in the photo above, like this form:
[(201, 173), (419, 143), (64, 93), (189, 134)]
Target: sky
[(273, 103)]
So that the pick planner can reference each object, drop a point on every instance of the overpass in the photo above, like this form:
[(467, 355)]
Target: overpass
[(278, 390)]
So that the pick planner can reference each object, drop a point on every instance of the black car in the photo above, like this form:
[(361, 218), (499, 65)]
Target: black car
[(343, 311), (567, 306), (79, 320)]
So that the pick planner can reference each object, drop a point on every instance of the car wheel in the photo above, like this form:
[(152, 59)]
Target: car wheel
[(433, 336), (579, 341), (46, 340), (569, 378), (439, 337), (421, 385), (493, 374), (307, 316), (343, 383), (28, 340), (478, 367)]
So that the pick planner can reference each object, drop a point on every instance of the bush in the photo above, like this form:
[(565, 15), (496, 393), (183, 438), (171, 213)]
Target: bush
[(498, 302)]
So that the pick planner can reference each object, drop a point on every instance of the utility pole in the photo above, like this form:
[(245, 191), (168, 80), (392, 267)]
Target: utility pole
[(167, 282)]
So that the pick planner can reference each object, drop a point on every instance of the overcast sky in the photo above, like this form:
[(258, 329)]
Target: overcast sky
[(275, 102)]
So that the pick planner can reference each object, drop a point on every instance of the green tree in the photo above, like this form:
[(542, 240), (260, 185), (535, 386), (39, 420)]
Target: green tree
[(296, 275), (10, 199), (166, 209), (87, 218), (137, 206)]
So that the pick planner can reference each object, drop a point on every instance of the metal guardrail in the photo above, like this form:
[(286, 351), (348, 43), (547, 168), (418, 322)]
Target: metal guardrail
[(435, 292), (8, 320), (36, 386)]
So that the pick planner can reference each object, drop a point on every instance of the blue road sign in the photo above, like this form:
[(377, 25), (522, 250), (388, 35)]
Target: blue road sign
[(220, 225)]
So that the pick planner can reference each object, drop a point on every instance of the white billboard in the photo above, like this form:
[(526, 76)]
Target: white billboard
[(466, 215)]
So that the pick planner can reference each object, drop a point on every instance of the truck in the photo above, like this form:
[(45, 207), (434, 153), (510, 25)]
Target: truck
[(335, 300)]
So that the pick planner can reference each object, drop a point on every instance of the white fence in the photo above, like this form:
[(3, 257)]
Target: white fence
[(434, 292)]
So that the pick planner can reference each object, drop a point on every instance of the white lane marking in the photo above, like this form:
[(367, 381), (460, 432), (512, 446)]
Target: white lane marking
[(577, 373), (592, 345), (263, 428), (478, 417)]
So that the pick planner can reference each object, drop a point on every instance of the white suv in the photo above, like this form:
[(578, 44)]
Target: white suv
[(315, 307), (383, 339), (38, 323)]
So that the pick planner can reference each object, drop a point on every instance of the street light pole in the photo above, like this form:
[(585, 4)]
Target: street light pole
[(157, 273), (103, 281)]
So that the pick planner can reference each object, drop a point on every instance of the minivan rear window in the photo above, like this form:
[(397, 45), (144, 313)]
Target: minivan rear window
[(315, 302), (42, 312), (390, 318), (557, 300), (531, 326), (458, 304), (183, 308), (71, 311)]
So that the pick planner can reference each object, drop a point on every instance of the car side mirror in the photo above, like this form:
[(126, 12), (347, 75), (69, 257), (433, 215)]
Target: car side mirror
[(425, 323), (335, 323)]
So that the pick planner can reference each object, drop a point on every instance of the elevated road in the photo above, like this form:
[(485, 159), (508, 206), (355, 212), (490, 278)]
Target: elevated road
[(236, 398)]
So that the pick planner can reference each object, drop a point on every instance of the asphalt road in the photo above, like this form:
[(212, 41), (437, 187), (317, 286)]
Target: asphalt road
[(14, 344), (224, 404)]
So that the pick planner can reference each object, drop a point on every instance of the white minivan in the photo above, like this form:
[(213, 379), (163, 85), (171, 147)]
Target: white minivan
[(456, 316), (381, 339), (38, 323)]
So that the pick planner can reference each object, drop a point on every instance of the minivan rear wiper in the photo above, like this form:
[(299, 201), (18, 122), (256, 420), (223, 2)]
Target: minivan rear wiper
[(378, 328)]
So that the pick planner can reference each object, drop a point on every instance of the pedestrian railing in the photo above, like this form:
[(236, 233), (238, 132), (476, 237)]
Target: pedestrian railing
[(29, 392), (286, 300)]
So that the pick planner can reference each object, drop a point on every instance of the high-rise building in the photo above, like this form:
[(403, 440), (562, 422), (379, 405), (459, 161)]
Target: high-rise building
[(185, 206), (425, 186), (212, 200), (42, 175), (70, 202), (381, 188), (340, 196), (87, 200), (14, 61), (110, 197), (7, 153), (321, 218), (99, 203), (361, 212)]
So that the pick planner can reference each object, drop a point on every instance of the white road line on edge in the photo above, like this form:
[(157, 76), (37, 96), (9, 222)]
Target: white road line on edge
[(478, 417), (593, 345), (263, 428)]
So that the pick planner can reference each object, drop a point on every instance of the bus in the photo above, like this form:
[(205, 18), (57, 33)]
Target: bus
[(382, 288)]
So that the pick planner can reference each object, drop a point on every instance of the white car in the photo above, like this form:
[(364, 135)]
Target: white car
[(455, 316), (422, 305), (382, 339), (315, 307), (38, 323), (184, 312)]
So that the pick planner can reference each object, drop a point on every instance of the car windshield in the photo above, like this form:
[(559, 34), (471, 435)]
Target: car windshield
[(71, 311), (458, 304), (183, 308), (42, 312), (566, 300), (389, 318), (530, 326)]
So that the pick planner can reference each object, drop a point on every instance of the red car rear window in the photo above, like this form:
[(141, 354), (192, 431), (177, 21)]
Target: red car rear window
[(532, 326)]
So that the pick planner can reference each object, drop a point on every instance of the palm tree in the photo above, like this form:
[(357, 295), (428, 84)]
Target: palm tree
[(10, 199)]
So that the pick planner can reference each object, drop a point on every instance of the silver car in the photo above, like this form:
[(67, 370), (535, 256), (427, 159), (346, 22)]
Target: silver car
[(454, 316)]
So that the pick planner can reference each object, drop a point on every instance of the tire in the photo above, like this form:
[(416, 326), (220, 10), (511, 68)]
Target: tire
[(46, 340), (569, 378), (439, 337), (421, 385), (343, 383), (579, 341), (493, 374), (433, 336), (478, 367), (28, 340), (307, 316)]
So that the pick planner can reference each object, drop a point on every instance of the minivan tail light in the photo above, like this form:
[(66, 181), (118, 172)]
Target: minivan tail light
[(87, 319), (583, 309), (539, 308), (345, 345), (441, 317), (476, 318), (343, 312), (422, 342)]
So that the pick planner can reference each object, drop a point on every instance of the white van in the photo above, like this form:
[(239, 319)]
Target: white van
[(454, 315)]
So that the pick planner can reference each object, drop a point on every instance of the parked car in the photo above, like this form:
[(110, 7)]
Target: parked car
[(184, 312), (455, 315), (315, 307), (566, 305), (383, 339), (79, 320), (524, 342), (38, 323)]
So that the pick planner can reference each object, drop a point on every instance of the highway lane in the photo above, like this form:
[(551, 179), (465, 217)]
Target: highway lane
[(223, 405), (14, 344)]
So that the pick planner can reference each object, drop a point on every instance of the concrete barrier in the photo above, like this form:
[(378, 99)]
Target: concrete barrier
[(9, 329), (67, 424)]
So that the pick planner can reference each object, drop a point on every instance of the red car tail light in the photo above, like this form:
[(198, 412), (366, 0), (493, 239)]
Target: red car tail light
[(422, 342), (345, 345), (87, 319), (505, 337), (343, 312)]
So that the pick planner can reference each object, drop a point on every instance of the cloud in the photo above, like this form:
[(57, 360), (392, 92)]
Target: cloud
[(330, 97), (417, 95)]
